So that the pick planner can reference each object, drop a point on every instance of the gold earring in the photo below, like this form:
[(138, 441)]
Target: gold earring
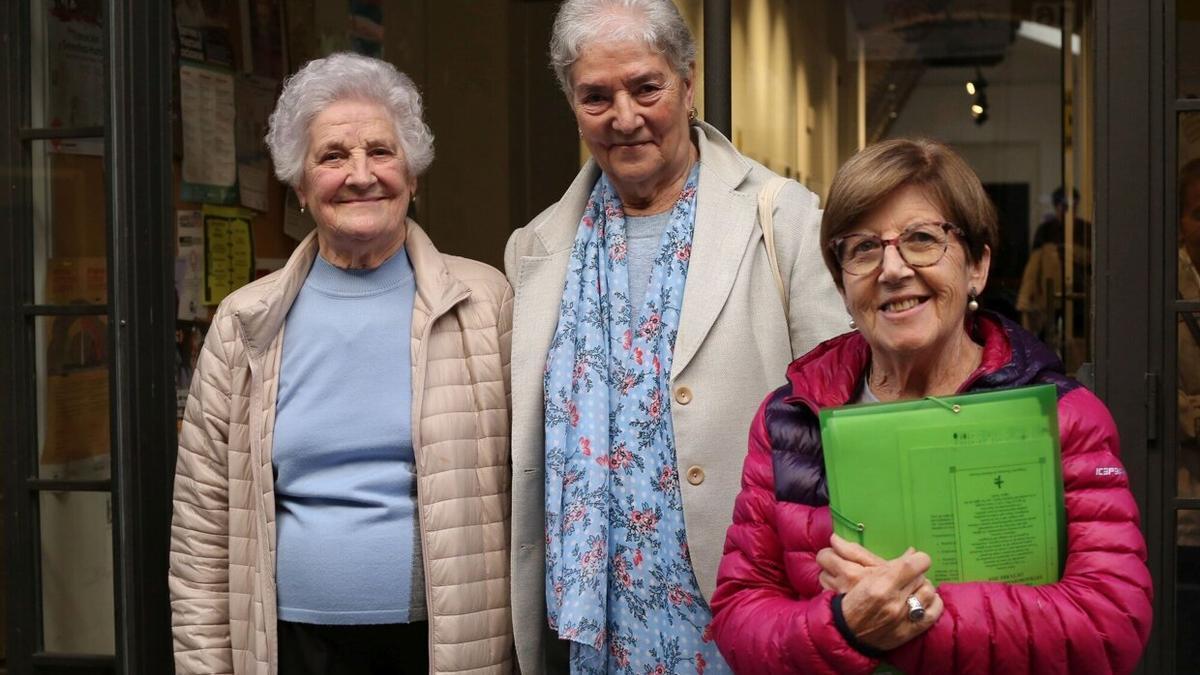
[(692, 114), (580, 132)]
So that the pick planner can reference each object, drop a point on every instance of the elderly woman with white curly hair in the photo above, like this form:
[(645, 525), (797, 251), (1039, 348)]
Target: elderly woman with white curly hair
[(342, 489), (657, 301)]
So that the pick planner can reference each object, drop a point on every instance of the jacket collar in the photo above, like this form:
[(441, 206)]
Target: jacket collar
[(261, 320), (725, 217), (437, 287), (831, 374)]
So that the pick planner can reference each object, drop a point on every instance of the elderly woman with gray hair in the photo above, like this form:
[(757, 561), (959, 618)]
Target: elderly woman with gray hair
[(341, 495), (652, 311)]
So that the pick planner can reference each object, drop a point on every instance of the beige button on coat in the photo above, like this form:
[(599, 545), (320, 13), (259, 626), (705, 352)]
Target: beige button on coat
[(222, 560), (734, 346)]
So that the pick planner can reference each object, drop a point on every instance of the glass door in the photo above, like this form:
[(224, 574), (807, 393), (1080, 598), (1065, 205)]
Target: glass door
[(1182, 311), (82, 584), (1010, 87)]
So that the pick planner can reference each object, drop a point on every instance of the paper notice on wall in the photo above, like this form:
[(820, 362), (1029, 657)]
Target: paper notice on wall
[(228, 252), (255, 100), (263, 51), (206, 102), (79, 279), (76, 580), (203, 29), (189, 265), (75, 91), (75, 441)]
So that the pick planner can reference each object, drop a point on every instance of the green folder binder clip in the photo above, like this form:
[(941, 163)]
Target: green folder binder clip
[(974, 480)]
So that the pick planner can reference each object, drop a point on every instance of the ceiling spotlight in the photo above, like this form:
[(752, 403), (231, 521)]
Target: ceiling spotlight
[(977, 87), (979, 109), (976, 84)]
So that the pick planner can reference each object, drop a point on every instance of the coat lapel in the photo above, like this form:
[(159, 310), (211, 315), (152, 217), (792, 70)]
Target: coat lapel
[(539, 280), (535, 308), (725, 221)]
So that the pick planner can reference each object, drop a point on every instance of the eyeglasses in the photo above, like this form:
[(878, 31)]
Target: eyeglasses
[(919, 245)]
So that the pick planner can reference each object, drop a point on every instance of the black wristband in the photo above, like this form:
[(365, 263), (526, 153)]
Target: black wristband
[(839, 620)]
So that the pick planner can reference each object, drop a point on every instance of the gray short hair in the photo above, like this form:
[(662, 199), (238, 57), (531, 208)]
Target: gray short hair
[(345, 76), (655, 23)]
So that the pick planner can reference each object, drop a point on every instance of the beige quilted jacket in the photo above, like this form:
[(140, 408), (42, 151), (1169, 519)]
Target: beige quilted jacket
[(222, 564)]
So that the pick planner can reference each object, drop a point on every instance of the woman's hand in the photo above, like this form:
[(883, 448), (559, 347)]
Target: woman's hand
[(876, 592), (843, 564)]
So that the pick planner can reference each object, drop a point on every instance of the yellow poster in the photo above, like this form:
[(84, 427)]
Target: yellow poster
[(228, 251)]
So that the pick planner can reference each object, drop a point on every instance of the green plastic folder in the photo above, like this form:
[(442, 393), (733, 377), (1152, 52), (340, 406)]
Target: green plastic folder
[(973, 480)]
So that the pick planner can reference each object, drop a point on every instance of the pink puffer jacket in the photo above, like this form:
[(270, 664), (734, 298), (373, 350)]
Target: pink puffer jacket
[(772, 616)]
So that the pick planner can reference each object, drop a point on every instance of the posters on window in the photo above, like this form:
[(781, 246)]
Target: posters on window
[(255, 100), (204, 30), (75, 92), (263, 48), (76, 443), (189, 265), (206, 101), (228, 251)]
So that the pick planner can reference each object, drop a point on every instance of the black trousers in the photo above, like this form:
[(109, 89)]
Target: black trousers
[(385, 649)]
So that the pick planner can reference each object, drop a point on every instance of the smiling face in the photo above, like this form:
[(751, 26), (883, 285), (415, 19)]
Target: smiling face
[(907, 312), (356, 182), (632, 110)]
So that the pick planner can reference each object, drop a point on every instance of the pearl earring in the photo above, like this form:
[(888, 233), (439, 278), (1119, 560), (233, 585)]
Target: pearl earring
[(853, 325), (973, 304)]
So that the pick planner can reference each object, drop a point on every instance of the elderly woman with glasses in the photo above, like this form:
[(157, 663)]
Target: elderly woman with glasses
[(341, 496), (649, 321), (908, 235)]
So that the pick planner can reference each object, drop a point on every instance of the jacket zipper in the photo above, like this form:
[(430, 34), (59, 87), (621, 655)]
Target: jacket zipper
[(418, 403)]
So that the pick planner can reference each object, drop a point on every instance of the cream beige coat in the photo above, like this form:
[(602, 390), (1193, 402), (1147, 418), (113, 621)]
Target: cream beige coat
[(222, 563), (734, 346)]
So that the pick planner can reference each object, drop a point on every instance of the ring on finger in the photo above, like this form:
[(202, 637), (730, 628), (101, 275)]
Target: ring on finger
[(916, 611)]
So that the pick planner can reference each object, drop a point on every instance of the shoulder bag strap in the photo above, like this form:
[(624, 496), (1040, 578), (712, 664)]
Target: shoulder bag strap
[(766, 220)]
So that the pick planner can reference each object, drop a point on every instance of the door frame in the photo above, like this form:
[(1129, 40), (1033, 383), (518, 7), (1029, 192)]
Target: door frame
[(1132, 195), (140, 312)]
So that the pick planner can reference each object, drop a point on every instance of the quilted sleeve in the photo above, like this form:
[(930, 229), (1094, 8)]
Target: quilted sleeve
[(1096, 619), (199, 556), (760, 622)]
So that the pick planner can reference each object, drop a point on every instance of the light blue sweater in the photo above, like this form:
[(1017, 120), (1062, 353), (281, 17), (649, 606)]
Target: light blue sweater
[(345, 488)]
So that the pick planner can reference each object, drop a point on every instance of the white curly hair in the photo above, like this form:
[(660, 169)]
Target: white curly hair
[(345, 76), (655, 23)]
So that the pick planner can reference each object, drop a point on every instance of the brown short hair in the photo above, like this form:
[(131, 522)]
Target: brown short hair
[(872, 175)]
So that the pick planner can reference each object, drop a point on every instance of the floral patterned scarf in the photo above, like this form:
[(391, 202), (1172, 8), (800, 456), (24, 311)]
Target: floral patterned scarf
[(619, 582)]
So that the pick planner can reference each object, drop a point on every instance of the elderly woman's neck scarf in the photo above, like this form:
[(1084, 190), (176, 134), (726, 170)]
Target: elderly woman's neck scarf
[(619, 583)]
